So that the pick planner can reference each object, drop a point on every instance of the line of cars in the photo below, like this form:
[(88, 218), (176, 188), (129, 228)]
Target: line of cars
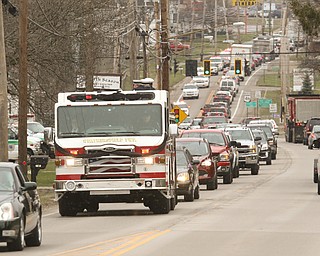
[(223, 150)]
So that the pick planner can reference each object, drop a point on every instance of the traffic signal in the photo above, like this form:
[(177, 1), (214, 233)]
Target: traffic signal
[(238, 66), (206, 68), (175, 66), (176, 115)]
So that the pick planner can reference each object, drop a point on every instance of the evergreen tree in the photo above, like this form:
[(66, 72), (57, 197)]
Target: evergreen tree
[(306, 85)]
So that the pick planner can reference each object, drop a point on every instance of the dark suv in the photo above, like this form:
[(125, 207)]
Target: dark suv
[(200, 150), (308, 128)]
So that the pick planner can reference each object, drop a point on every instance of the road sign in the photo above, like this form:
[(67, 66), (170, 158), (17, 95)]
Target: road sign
[(258, 94), (179, 115), (264, 103), (247, 98), (273, 108), (252, 104)]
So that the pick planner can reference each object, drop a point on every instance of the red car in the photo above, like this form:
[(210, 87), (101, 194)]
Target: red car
[(178, 46), (200, 150), (210, 122), (220, 147)]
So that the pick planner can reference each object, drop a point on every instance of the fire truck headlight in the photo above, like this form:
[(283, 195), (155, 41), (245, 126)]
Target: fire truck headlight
[(70, 185), (183, 177), (145, 160), (73, 162)]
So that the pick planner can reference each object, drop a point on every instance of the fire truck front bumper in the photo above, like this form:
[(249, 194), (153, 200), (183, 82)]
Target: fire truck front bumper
[(106, 187)]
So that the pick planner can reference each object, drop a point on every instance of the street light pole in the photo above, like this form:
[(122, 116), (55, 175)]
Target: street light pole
[(3, 95)]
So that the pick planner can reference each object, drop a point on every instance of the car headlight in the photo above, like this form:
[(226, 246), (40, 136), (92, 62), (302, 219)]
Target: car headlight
[(270, 142), (6, 211), (224, 156), (264, 147), (182, 177), (253, 148), (206, 162)]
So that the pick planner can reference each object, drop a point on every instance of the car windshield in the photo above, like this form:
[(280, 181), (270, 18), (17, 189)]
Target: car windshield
[(214, 120), (188, 120), (266, 129), (107, 120), (212, 137), (181, 159), (35, 127), (6, 179), (259, 133), (316, 128), (196, 148), (240, 134), (190, 86)]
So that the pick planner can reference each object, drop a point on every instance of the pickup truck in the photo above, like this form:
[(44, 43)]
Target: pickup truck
[(248, 151)]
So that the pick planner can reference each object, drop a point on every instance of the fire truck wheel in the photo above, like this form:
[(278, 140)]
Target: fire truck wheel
[(92, 207), (68, 206), (160, 206)]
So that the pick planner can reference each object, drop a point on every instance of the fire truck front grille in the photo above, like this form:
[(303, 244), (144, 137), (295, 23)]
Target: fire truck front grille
[(110, 164)]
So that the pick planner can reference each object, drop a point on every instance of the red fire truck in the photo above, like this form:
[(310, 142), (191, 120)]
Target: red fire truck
[(114, 146)]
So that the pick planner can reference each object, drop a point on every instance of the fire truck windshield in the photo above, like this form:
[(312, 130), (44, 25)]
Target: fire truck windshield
[(109, 120)]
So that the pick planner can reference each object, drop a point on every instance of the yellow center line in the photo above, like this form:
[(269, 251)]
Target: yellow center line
[(160, 233), (116, 240)]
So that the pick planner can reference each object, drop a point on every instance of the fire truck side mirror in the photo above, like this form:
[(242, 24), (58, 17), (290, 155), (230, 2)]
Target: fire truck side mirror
[(173, 130)]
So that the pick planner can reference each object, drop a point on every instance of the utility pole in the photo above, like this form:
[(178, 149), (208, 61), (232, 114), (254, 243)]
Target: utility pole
[(164, 44), (225, 19), (158, 46), (89, 51), (203, 24), (3, 95), (215, 27), (238, 18), (133, 46), (23, 85)]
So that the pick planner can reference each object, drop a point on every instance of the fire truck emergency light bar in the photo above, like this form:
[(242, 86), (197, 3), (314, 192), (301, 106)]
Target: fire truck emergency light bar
[(117, 96)]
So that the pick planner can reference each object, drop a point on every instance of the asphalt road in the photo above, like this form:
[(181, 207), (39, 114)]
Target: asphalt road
[(273, 213)]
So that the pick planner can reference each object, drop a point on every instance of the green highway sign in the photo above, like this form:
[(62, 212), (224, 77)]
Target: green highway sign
[(264, 103), (251, 104)]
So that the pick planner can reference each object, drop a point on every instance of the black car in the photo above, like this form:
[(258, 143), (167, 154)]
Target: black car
[(272, 140), (308, 128), (264, 147), (20, 209), (187, 175)]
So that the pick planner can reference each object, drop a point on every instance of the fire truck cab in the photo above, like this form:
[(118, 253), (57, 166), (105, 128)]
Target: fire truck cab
[(114, 146)]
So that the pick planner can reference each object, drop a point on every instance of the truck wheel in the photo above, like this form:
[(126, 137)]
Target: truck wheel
[(268, 162), (160, 206), (189, 197), (228, 179), (68, 206), (318, 188), (197, 192), (273, 156), (315, 177), (92, 207), (255, 170)]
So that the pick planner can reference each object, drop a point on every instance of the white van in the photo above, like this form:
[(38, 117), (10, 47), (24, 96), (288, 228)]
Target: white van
[(230, 83)]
